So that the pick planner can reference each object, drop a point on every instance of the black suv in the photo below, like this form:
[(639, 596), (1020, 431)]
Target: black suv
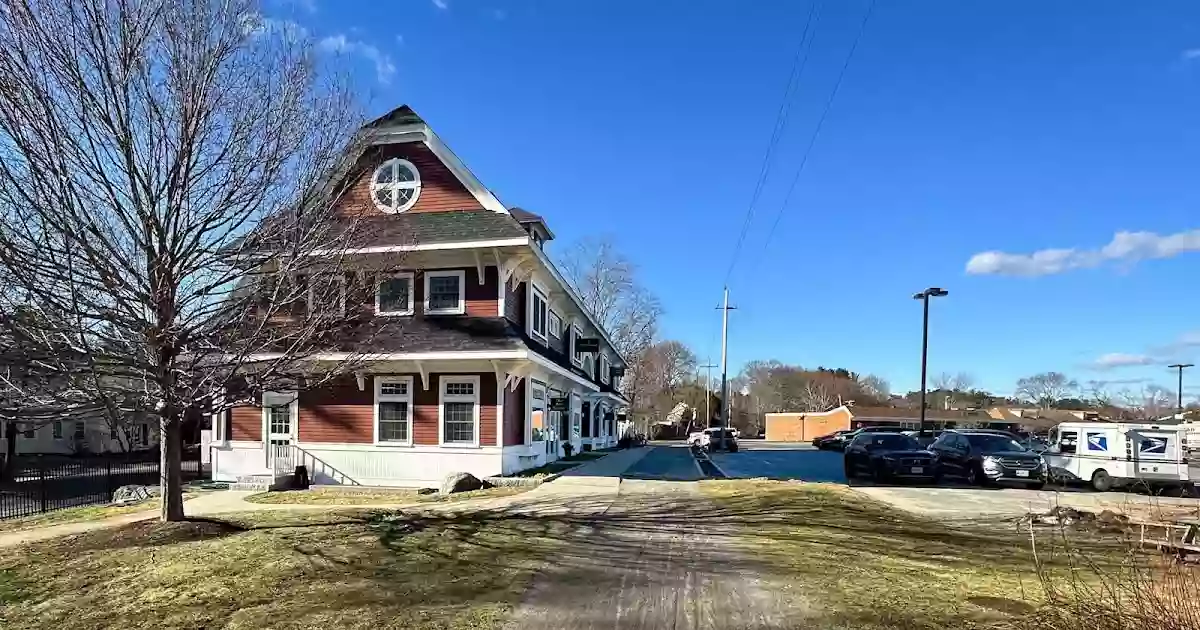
[(983, 457), (885, 456), (839, 442)]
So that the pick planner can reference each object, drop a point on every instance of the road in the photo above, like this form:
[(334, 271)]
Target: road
[(669, 462)]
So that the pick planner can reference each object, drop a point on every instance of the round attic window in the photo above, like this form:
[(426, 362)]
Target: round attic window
[(395, 185)]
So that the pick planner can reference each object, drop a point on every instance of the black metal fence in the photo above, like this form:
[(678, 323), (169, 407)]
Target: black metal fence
[(39, 484)]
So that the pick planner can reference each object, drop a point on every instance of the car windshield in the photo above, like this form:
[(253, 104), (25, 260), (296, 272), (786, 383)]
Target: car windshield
[(892, 442), (994, 443)]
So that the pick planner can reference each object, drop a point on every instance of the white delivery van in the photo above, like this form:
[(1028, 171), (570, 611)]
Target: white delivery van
[(1111, 454)]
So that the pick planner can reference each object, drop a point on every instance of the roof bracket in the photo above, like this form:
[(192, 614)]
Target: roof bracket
[(360, 377), (479, 268), (424, 372), (501, 376)]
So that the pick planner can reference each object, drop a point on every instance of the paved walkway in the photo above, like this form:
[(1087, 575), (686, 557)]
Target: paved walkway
[(589, 487)]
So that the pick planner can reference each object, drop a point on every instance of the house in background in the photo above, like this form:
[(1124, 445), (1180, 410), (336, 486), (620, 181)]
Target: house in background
[(498, 365), (803, 427), (77, 436)]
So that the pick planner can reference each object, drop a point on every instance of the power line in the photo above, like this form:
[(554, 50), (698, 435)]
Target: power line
[(799, 62), (862, 27)]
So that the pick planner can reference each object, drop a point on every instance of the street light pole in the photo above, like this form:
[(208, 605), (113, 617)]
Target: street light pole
[(1181, 367), (924, 297)]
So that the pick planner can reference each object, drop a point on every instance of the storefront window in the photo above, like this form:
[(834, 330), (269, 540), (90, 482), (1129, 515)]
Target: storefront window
[(537, 414)]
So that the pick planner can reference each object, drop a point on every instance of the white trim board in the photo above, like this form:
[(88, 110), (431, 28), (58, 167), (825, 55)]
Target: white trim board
[(423, 247)]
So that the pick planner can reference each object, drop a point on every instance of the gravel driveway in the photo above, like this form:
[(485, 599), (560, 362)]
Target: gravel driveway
[(651, 562)]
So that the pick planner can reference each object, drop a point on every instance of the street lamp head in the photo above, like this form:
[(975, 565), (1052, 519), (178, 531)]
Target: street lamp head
[(1180, 366), (931, 292)]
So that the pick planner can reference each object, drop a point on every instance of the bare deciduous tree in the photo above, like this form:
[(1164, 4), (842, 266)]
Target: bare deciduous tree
[(1046, 388), (815, 396), (875, 387), (1148, 402), (165, 191), (607, 283), (953, 382)]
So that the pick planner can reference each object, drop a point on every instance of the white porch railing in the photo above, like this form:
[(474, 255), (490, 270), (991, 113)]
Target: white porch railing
[(281, 458)]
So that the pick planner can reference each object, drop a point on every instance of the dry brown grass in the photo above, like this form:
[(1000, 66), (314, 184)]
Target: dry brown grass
[(380, 496), (333, 569), (861, 564), (1146, 590)]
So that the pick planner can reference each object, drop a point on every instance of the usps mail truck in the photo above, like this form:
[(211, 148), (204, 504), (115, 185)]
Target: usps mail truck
[(1114, 454)]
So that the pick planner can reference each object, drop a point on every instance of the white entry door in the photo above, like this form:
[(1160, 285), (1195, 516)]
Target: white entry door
[(279, 416)]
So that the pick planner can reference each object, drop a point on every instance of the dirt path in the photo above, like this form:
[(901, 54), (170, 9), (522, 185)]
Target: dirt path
[(640, 565)]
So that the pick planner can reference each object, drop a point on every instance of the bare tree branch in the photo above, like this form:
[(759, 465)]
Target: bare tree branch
[(167, 204)]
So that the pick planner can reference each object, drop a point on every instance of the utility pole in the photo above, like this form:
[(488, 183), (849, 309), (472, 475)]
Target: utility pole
[(1181, 367), (725, 308), (707, 391)]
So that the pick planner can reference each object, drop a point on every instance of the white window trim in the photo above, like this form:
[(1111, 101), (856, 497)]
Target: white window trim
[(462, 292), (341, 280), (536, 294), (412, 289), (553, 330), (381, 397), (293, 410), (529, 411), (443, 398), (576, 331), (396, 186), (589, 367), (604, 368)]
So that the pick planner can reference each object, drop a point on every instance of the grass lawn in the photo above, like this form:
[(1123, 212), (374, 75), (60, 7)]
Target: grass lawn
[(334, 569), (82, 513), (381, 496), (858, 563)]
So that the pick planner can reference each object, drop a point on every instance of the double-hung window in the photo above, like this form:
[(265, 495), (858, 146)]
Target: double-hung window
[(604, 368), (576, 355), (393, 410), (537, 314), (458, 410), (327, 294), (445, 293), (58, 433), (394, 294), (80, 430)]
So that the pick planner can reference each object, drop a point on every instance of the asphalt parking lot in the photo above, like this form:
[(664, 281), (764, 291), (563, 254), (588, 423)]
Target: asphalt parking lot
[(804, 463)]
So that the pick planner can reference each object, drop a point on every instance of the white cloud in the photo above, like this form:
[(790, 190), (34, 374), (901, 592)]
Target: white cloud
[(442, 4), (1121, 359), (399, 39), (385, 69), (1125, 247), (1191, 54)]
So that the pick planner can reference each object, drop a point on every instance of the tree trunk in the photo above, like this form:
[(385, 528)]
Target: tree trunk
[(171, 481)]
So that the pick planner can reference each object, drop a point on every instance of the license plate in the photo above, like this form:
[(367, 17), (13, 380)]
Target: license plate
[(1022, 473), (918, 470)]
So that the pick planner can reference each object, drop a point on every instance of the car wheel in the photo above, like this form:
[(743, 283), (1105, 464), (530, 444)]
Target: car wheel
[(849, 470), (974, 477), (1102, 481), (878, 473)]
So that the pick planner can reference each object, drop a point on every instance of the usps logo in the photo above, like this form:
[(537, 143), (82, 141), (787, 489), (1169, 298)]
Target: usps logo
[(1097, 442), (1153, 445)]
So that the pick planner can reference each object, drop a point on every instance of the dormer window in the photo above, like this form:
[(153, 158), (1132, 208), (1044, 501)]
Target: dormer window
[(395, 186)]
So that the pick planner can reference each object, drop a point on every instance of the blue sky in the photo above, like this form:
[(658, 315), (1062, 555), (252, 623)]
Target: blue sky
[(966, 138)]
